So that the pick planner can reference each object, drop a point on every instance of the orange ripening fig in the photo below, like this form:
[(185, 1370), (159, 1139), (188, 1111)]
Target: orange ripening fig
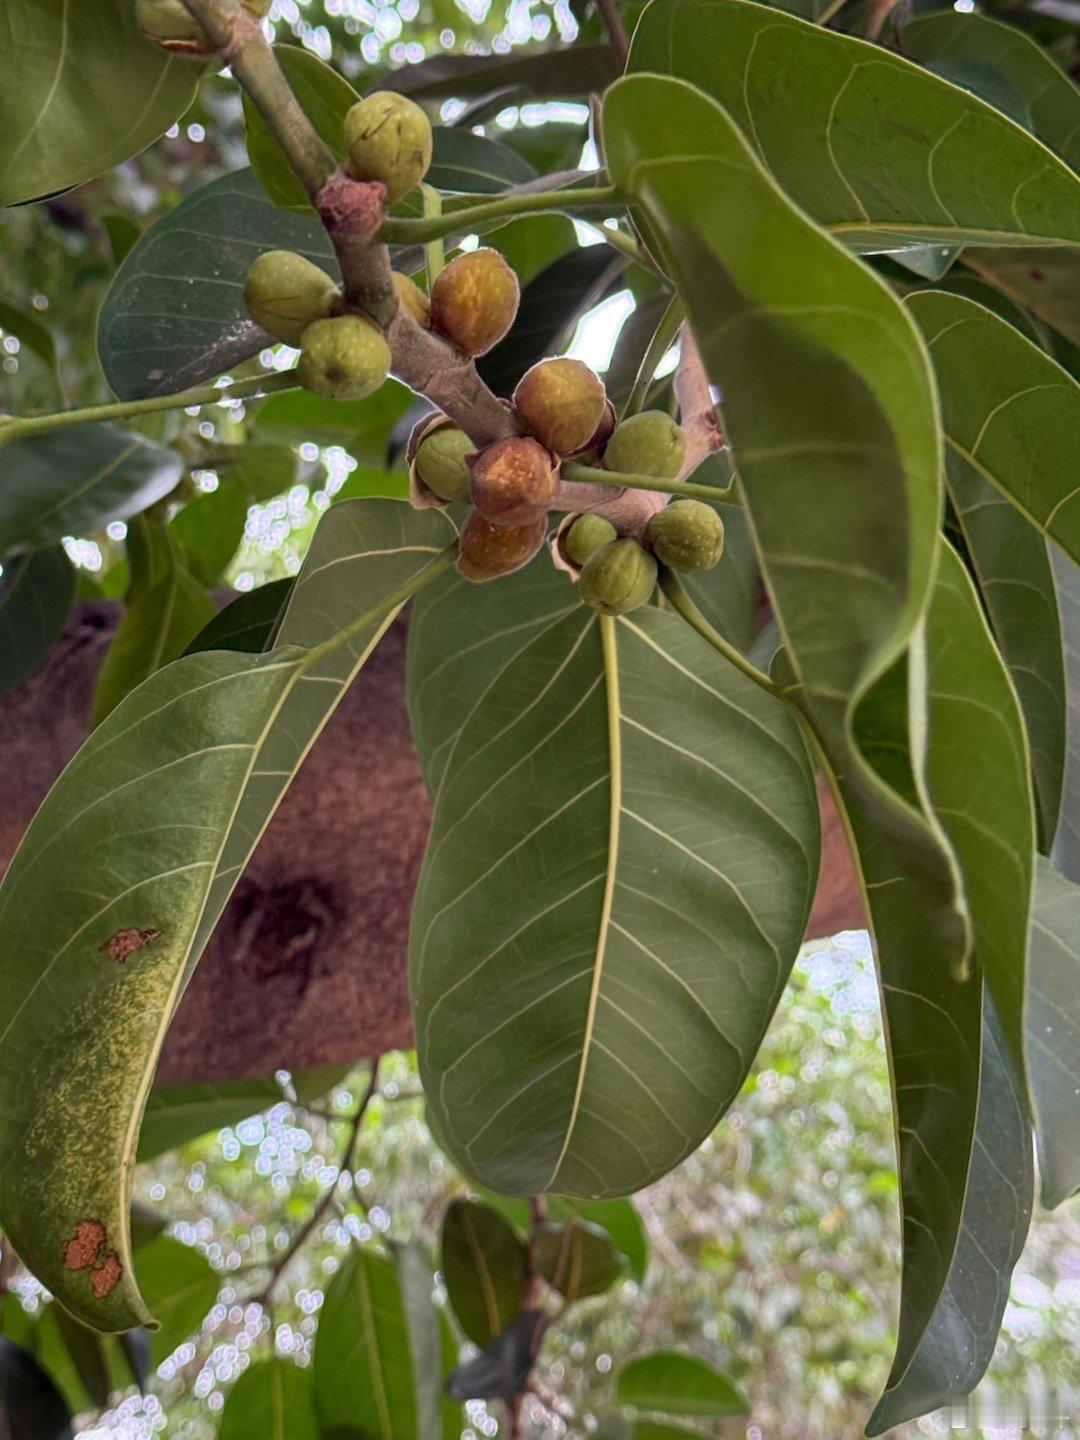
[(488, 551), (474, 301), (513, 480), (561, 401)]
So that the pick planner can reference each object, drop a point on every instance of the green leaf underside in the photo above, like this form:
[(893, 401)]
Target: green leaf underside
[(36, 595), (1054, 1032), (188, 769), (178, 1113), (830, 413), (246, 623), (72, 481), (1043, 85), (91, 93), (362, 1366), (1065, 852), (602, 930), (272, 1400), (1046, 281), (577, 1259), (483, 1268), (870, 144), (671, 1383)]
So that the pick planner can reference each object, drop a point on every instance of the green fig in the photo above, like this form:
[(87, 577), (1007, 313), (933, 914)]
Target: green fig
[(441, 462), (618, 577), (586, 535), (647, 444), (286, 293), (413, 299), (687, 535), (388, 138), (345, 358)]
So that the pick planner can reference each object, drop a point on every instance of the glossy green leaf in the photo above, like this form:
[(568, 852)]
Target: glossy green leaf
[(1006, 51), (1054, 1032), (1045, 281), (116, 916), (364, 426), (176, 1114), (534, 242), (209, 530), (91, 93), (1008, 411), (565, 71), (72, 481), (605, 918), (484, 1269), (272, 1400), (30, 332), (180, 1286), (830, 413), (262, 470), (166, 608), (670, 1383), (620, 1218), (246, 623), (363, 1367), (85, 1350), (36, 594), (868, 143), (1065, 852), (577, 1259)]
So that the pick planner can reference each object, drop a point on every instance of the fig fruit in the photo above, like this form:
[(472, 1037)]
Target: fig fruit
[(618, 577), (286, 293), (513, 481), (647, 444), (586, 535), (345, 358), (388, 138), (487, 551), (170, 24), (474, 300), (687, 535), (413, 299), (561, 402), (441, 462)]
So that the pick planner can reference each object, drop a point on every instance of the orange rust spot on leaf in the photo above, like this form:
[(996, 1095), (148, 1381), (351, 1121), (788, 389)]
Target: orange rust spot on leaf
[(125, 942), (84, 1247), (104, 1277)]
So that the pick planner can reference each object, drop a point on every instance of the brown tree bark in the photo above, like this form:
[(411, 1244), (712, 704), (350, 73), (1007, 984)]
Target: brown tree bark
[(307, 965)]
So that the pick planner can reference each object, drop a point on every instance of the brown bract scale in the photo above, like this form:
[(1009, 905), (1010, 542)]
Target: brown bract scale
[(488, 551), (513, 480), (355, 208), (474, 301), (560, 401), (592, 452)]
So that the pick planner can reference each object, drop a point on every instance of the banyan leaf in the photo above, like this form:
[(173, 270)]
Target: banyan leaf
[(577, 1259), (566, 71), (189, 768), (33, 1408), (484, 1268), (1065, 852), (72, 481), (829, 410), (364, 426), (260, 470), (1052, 98), (605, 918), (668, 1382), (1054, 1032), (619, 1218), (1009, 412), (430, 1342), (91, 93), (176, 1114), (30, 332), (180, 1286), (272, 1400), (247, 623), (36, 594), (1045, 281), (872, 146), (209, 530)]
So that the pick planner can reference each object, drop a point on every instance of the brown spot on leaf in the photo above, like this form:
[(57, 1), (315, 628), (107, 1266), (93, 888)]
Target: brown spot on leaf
[(82, 1250), (104, 1277), (1037, 274), (125, 942)]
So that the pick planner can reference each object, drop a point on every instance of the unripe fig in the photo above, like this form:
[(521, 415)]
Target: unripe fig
[(618, 578), (441, 462), (561, 402), (388, 138), (513, 481), (647, 444), (413, 299), (474, 300), (687, 535), (170, 23), (286, 293), (488, 551), (586, 535), (345, 358)]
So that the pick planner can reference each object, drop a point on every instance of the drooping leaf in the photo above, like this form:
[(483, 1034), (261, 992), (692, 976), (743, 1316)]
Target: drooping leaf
[(176, 1114), (117, 916), (261, 470), (534, 242), (577, 1259), (582, 1026), (272, 1400), (484, 1269), (72, 481), (37, 591), (247, 623), (1052, 98), (363, 1366), (34, 1409), (567, 71), (180, 1286), (91, 93), (84, 1353), (872, 146), (1054, 1032), (671, 1383), (209, 530), (830, 414)]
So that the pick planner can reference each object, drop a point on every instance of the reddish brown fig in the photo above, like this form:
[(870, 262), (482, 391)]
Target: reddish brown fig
[(513, 481)]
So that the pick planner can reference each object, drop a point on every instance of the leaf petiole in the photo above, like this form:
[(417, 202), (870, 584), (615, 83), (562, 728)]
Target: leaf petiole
[(620, 480), (411, 231)]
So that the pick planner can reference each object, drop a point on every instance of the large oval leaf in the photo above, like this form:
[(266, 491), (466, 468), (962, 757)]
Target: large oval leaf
[(606, 916), (272, 1400), (36, 595), (877, 149), (670, 1383), (123, 874), (91, 92), (1054, 1032), (484, 1268)]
